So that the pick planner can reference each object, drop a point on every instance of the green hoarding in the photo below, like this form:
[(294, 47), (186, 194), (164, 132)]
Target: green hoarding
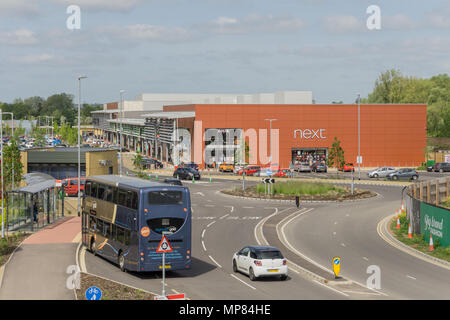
[(437, 221)]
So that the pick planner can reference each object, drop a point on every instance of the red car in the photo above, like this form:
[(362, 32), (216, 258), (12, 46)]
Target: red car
[(282, 173), (348, 167), (249, 171), (71, 185)]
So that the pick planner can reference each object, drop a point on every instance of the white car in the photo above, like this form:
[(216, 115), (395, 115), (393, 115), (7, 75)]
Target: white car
[(260, 261), (382, 172)]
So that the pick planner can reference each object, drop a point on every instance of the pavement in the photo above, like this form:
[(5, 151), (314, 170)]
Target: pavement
[(37, 269)]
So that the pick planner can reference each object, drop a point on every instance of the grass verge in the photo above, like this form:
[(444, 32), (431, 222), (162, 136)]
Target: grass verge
[(110, 290), (9, 244), (418, 242)]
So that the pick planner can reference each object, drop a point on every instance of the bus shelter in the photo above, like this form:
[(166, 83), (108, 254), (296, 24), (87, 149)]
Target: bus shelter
[(41, 193)]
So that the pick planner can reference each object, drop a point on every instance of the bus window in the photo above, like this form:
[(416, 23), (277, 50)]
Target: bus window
[(134, 201), (99, 226), (127, 237), (106, 229), (93, 224), (160, 225), (114, 195), (120, 234), (109, 194), (101, 191), (122, 199), (129, 199), (165, 197), (94, 190), (87, 188)]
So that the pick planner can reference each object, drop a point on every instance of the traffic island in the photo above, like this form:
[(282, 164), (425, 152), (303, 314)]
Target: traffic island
[(417, 241), (110, 290), (306, 191)]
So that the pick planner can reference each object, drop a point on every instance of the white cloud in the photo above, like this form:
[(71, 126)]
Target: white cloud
[(251, 24), (18, 37), (342, 24), (101, 5), (439, 18), (32, 59), (144, 32), (398, 22), (10, 8)]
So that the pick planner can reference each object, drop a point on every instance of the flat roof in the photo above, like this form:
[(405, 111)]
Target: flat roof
[(171, 115), (138, 122)]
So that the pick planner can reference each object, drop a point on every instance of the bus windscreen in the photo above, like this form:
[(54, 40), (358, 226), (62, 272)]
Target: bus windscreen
[(169, 197)]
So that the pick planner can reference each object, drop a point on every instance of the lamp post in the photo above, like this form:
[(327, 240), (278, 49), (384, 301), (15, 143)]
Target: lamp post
[(79, 131), (359, 137), (121, 132)]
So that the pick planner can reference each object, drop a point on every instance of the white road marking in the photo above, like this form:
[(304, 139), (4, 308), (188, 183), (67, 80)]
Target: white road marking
[(209, 225), (340, 292), (243, 281), (411, 277), (365, 258), (232, 208), (203, 244), (334, 233), (223, 217), (343, 244), (200, 193), (203, 233), (248, 207), (209, 205), (215, 261)]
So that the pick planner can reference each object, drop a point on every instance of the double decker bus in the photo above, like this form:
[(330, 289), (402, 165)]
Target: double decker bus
[(125, 218)]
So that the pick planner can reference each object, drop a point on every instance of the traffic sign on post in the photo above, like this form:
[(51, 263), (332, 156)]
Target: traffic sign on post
[(164, 246)]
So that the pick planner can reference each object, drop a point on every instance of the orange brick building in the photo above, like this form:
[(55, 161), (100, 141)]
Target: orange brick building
[(391, 135)]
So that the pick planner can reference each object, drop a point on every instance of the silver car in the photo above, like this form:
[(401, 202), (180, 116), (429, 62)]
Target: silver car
[(302, 167), (382, 172)]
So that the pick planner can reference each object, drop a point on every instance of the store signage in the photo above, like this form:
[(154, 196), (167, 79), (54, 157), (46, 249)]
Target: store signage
[(309, 134)]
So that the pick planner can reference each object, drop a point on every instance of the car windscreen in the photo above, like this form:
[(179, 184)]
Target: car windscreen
[(268, 254), (165, 197)]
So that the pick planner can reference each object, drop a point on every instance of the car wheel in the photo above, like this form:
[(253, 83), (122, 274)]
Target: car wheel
[(394, 178), (441, 170), (283, 277), (415, 177), (235, 269), (121, 262), (251, 275), (375, 175)]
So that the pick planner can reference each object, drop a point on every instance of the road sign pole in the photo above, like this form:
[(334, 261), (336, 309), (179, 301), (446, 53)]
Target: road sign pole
[(164, 275)]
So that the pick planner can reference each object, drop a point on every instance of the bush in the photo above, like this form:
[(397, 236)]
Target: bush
[(301, 188)]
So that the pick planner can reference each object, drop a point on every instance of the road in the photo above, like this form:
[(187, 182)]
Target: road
[(310, 237)]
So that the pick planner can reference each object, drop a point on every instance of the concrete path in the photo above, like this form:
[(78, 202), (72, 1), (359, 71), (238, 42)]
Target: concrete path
[(37, 270)]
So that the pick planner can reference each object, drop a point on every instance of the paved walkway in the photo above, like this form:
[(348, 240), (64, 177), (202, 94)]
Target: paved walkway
[(37, 270)]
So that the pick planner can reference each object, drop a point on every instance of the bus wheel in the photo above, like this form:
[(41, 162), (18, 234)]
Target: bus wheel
[(121, 262)]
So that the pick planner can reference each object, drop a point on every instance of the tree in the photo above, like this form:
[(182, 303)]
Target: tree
[(11, 162), (138, 161), (336, 156)]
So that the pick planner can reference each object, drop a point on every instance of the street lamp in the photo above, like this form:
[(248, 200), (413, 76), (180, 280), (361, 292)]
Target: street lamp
[(121, 132), (270, 138), (79, 132), (359, 137)]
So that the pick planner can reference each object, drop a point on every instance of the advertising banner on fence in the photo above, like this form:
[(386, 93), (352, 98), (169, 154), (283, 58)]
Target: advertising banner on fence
[(435, 220)]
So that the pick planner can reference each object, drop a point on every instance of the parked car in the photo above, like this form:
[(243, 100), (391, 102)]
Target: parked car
[(263, 172), (249, 171), (302, 167), (173, 181), (283, 173), (186, 173), (404, 173), (319, 167), (260, 261), (347, 167), (148, 162), (381, 172), (238, 167), (431, 168), (71, 186), (226, 167), (190, 165), (442, 167)]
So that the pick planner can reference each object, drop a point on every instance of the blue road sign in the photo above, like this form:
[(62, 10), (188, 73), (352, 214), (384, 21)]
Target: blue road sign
[(93, 293)]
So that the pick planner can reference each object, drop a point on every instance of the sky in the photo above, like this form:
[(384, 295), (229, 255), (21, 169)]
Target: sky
[(216, 46)]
